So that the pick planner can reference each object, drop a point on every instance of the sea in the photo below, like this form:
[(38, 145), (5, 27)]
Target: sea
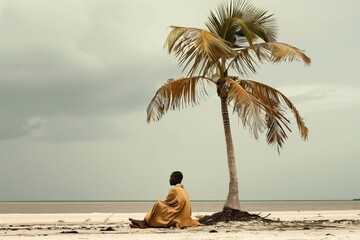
[(144, 206)]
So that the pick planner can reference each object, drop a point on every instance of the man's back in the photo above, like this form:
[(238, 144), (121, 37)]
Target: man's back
[(183, 219)]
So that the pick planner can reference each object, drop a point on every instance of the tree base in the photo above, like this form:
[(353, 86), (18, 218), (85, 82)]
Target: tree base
[(229, 214)]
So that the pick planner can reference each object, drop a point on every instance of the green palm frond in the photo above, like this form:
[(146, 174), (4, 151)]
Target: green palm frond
[(176, 94), (240, 19), (275, 99), (197, 46), (264, 25), (277, 52)]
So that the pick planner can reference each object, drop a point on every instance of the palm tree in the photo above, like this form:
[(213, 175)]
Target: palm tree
[(238, 36)]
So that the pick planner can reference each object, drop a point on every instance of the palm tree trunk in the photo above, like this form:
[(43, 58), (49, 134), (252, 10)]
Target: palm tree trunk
[(232, 200)]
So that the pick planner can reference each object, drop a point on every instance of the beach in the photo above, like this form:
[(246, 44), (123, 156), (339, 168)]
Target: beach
[(290, 225)]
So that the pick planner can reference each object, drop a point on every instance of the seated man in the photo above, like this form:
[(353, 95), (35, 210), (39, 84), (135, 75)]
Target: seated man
[(175, 211)]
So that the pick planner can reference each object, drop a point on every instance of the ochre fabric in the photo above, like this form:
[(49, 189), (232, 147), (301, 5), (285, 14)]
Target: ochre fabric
[(174, 211)]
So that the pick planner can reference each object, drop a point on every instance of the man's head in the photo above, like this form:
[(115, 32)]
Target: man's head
[(175, 178)]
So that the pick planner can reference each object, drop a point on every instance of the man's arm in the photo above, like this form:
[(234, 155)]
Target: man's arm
[(171, 200)]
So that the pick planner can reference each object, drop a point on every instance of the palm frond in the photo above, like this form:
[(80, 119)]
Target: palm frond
[(258, 112), (176, 94), (240, 19), (173, 37), (197, 46), (248, 108), (262, 24), (275, 132), (221, 21), (276, 52), (244, 63), (275, 99)]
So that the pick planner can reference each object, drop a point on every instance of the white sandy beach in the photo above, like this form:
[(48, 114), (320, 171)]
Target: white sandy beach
[(294, 225)]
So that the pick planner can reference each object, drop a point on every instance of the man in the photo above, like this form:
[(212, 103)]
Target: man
[(174, 211)]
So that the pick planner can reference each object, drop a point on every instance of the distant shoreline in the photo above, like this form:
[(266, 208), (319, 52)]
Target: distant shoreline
[(144, 206), (154, 200)]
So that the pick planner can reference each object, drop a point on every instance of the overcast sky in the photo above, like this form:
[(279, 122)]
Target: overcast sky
[(76, 78)]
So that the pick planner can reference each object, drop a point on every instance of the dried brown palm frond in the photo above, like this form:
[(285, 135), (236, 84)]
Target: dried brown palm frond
[(248, 108), (261, 107), (176, 94), (275, 131), (198, 47), (276, 100), (277, 52), (245, 63)]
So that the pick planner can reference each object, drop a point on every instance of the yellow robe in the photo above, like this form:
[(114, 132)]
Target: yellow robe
[(174, 211)]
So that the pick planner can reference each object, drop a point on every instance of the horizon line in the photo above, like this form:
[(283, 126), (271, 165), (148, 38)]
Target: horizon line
[(197, 200)]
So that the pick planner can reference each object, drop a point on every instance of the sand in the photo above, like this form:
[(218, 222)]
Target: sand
[(315, 225)]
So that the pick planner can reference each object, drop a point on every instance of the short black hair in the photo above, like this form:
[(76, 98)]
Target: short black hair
[(178, 175)]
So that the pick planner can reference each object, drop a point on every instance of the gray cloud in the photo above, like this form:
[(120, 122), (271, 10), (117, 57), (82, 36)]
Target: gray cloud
[(73, 67)]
